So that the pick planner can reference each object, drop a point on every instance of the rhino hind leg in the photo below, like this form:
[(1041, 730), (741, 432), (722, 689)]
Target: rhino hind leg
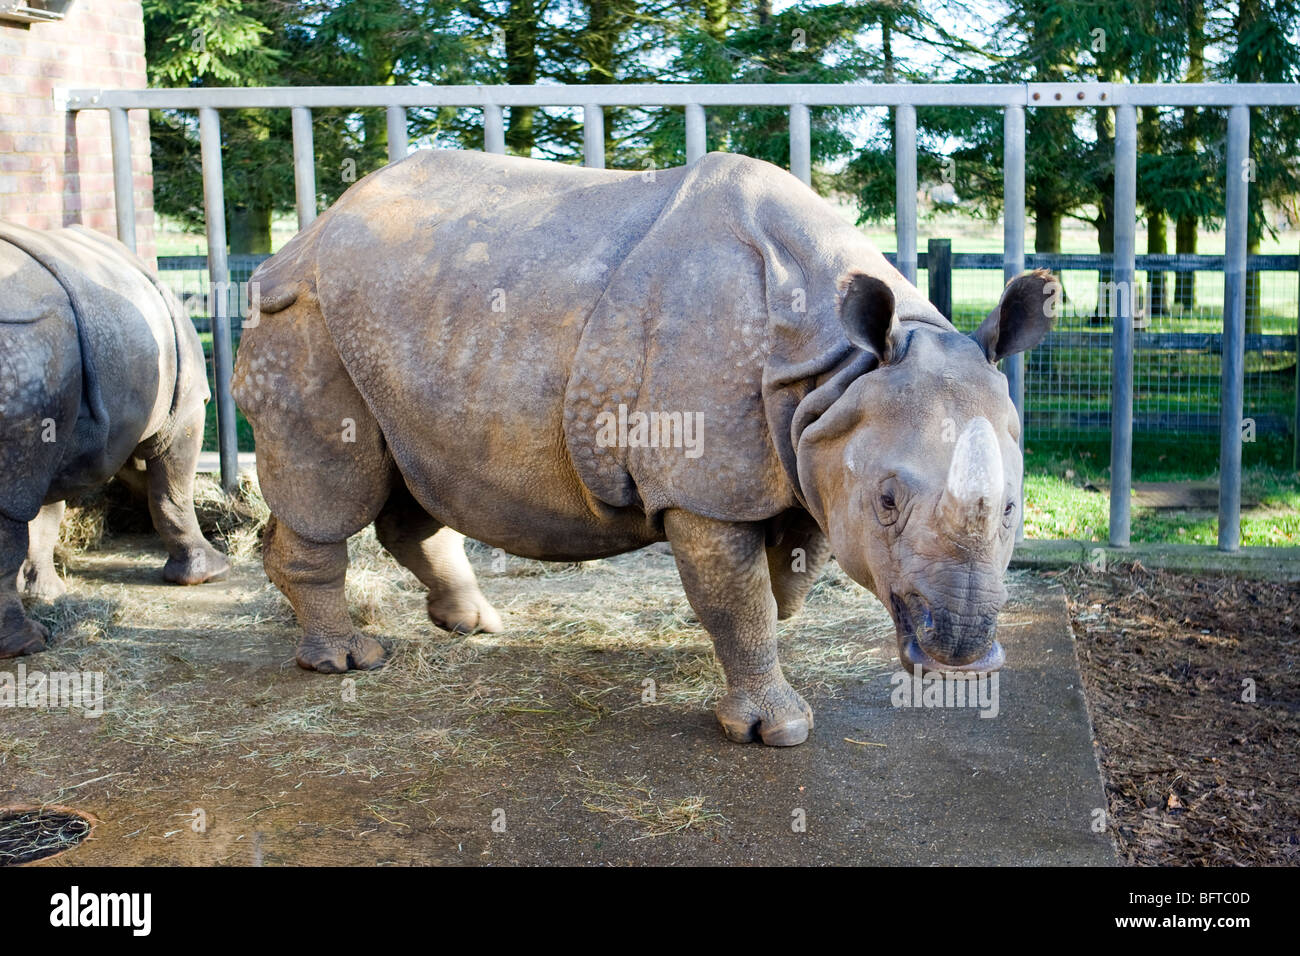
[(324, 468), (170, 490), (435, 554), (724, 570), (311, 574), (38, 578), (19, 634), (795, 557)]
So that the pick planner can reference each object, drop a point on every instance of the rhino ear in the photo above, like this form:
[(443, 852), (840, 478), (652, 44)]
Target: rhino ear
[(867, 314), (1022, 318)]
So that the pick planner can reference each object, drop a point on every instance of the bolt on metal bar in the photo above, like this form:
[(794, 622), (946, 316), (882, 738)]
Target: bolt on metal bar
[(1232, 383), (397, 139), (304, 166), (214, 213), (801, 142), (696, 132), (123, 187), (494, 129), (1121, 387), (593, 136), (905, 189), (1013, 253)]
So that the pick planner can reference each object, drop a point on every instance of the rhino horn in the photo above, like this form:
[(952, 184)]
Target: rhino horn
[(972, 495)]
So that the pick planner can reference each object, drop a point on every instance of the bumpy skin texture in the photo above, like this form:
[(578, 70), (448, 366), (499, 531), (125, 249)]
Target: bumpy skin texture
[(100, 373), (437, 351)]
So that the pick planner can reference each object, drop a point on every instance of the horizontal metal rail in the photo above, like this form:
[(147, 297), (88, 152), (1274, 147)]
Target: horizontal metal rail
[(703, 94)]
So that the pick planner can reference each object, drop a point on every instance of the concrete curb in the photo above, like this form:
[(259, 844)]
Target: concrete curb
[(1277, 564)]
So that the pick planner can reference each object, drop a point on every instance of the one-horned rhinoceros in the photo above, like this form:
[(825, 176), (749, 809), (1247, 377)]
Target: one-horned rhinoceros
[(100, 374), (571, 363)]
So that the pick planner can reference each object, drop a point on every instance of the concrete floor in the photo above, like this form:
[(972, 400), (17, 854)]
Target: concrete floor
[(875, 783)]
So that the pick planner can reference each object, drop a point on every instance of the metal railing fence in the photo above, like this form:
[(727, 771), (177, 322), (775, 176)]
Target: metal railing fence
[(1012, 99)]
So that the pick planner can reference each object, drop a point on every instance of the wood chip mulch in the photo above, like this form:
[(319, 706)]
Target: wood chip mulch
[(1197, 773)]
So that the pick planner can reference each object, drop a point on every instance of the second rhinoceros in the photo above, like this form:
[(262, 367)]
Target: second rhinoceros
[(101, 374), (571, 363)]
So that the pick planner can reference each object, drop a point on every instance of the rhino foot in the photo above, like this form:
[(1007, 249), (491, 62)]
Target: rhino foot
[(464, 614), (332, 656), (196, 566), (28, 637), (42, 584), (774, 713)]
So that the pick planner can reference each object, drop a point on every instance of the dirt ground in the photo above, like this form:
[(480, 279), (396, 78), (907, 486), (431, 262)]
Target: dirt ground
[(1194, 693)]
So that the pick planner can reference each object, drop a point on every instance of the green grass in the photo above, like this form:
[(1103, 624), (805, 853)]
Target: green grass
[(1059, 503)]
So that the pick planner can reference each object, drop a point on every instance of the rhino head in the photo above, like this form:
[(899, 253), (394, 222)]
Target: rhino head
[(914, 471)]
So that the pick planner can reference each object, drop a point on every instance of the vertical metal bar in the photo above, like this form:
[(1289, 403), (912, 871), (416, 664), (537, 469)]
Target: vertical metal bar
[(905, 183), (593, 136), (696, 132), (214, 212), (938, 268), (801, 142), (494, 129), (304, 166), (397, 141), (1296, 442), (1013, 254), (123, 186), (1232, 383), (1121, 385)]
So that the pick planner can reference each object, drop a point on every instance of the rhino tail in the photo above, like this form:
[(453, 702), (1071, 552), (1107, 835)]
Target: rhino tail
[(287, 276)]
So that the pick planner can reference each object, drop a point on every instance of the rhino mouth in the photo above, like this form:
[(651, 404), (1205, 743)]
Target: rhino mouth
[(912, 615)]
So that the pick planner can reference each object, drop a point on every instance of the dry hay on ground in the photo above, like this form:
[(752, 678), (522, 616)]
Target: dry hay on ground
[(1194, 773), (201, 681)]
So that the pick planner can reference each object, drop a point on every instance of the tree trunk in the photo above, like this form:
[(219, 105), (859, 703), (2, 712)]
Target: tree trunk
[(1254, 321), (521, 70), (250, 230), (716, 122), (1047, 227), (1157, 237), (1185, 235), (1185, 229), (1157, 244)]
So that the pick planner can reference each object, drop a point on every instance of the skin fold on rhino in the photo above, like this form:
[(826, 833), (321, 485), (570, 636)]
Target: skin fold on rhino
[(101, 374), (571, 363)]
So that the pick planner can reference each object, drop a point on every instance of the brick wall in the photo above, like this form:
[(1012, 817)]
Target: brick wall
[(57, 168)]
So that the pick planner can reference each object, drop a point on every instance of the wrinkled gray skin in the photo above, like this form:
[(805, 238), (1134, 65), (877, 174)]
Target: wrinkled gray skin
[(434, 351), (100, 375)]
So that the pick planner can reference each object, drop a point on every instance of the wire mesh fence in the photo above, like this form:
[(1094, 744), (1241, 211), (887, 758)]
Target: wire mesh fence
[(1179, 323)]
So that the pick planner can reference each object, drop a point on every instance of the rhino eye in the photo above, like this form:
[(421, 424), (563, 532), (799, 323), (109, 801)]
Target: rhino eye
[(887, 505), (1007, 512)]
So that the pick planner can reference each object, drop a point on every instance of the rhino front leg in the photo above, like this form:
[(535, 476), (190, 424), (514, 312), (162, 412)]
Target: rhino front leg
[(435, 554), (18, 633), (795, 558), (38, 578), (311, 574), (723, 567), (170, 480)]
